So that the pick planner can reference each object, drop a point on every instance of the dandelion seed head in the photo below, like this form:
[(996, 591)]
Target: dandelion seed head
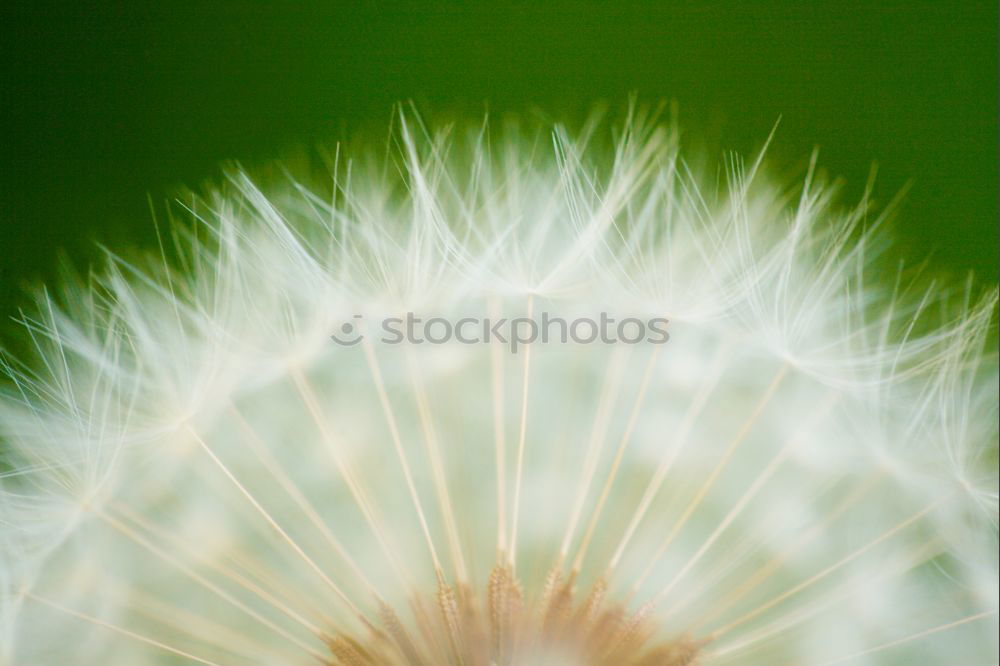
[(804, 473)]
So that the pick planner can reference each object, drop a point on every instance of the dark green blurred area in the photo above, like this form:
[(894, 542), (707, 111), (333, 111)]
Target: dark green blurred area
[(104, 104)]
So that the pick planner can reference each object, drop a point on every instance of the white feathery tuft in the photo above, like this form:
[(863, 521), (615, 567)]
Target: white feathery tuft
[(804, 473)]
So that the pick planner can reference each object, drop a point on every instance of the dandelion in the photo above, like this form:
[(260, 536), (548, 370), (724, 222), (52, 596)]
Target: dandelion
[(213, 455)]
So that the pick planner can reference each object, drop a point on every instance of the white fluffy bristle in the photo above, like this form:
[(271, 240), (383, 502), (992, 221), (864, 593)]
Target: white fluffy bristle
[(804, 473)]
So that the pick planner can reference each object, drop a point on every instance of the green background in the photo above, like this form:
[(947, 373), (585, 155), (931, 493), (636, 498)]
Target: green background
[(103, 104)]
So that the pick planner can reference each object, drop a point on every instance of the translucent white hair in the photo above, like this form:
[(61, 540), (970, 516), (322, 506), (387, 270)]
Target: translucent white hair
[(805, 473)]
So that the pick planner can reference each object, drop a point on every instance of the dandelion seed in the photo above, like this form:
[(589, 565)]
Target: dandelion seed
[(214, 458)]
